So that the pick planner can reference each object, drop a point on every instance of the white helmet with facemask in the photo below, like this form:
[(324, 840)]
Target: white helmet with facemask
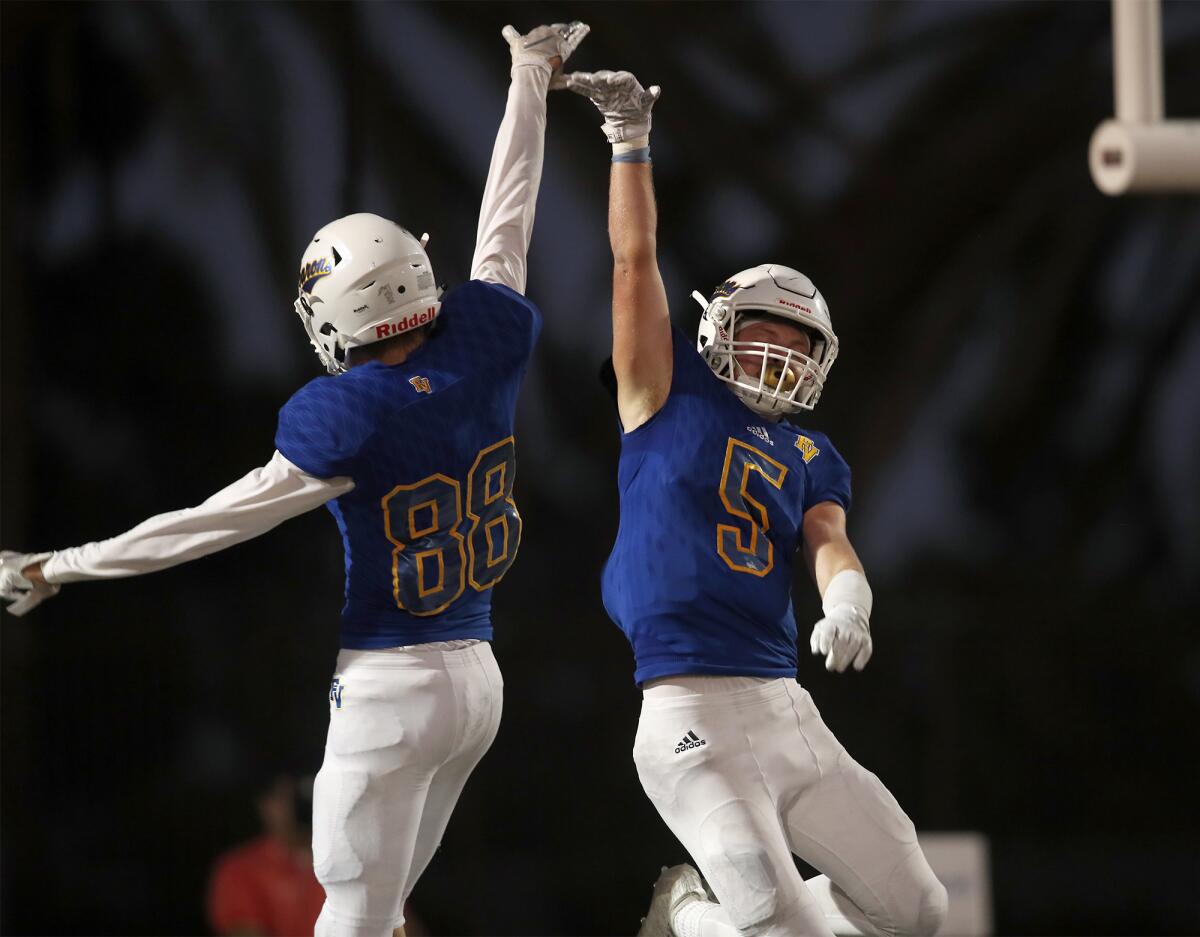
[(788, 381), (363, 279)]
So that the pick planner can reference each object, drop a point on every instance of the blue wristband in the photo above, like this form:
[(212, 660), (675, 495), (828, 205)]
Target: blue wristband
[(633, 156)]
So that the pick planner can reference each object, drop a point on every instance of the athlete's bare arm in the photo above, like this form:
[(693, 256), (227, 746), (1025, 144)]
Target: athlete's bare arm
[(641, 319), (827, 548), (843, 636)]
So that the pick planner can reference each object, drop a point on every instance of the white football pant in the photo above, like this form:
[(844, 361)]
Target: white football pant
[(406, 728), (745, 773)]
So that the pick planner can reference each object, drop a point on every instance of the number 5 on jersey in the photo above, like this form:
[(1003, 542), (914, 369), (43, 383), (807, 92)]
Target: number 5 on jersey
[(430, 566), (744, 545)]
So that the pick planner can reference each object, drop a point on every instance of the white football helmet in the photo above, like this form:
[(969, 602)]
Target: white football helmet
[(788, 381), (363, 279)]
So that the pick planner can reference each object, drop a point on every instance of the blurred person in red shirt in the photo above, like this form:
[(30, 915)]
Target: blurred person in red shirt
[(266, 887)]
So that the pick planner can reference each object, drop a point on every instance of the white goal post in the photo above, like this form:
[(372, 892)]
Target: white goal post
[(1140, 151)]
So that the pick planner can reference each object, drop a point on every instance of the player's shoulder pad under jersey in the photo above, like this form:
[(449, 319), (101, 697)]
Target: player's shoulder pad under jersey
[(514, 318), (827, 473), (324, 424)]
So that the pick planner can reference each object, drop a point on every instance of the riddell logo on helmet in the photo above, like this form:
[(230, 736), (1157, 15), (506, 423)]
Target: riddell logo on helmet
[(784, 302), (403, 325)]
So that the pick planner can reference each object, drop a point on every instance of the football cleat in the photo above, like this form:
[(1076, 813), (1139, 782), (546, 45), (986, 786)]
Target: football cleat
[(675, 887), (788, 381), (363, 279)]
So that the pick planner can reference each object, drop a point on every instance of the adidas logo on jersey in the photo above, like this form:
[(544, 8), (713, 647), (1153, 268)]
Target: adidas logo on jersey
[(761, 433), (691, 740)]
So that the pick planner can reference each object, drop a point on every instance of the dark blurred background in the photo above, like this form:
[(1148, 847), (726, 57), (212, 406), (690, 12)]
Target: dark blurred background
[(1017, 393)]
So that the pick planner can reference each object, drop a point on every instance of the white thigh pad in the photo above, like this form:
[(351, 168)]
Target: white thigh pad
[(738, 864)]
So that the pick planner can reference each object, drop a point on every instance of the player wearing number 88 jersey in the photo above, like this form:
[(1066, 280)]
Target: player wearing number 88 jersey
[(410, 444), (431, 524)]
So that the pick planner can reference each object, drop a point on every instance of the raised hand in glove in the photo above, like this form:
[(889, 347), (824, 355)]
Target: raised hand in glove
[(545, 45), (620, 97)]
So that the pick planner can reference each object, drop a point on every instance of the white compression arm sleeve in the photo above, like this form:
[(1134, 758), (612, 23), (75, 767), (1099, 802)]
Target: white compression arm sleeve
[(250, 506), (510, 195)]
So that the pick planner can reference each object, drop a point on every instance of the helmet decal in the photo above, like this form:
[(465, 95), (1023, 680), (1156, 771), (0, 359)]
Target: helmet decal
[(313, 271), (728, 288)]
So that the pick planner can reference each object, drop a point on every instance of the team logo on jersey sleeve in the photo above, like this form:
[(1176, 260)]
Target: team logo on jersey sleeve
[(335, 692), (313, 271), (807, 448), (421, 384)]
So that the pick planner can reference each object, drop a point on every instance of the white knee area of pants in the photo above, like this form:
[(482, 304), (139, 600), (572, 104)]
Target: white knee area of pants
[(330, 926), (739, 867), (935, 903), (920, 900)]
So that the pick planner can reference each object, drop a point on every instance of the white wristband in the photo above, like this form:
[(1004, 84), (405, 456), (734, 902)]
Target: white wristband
[(636, 143), (849, 587)]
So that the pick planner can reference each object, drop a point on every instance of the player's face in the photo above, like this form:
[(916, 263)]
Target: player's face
[(773, 332)]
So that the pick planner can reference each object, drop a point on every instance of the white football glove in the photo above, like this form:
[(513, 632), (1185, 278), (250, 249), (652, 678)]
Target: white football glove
[(540, 45), (620, 97), (843, 637), (15, 588)]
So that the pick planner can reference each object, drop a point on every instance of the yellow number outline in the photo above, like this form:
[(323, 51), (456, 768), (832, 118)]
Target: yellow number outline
[(452, 530), (503, 518), (755, 526)]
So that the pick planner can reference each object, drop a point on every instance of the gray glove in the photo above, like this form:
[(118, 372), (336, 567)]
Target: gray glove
[(620, 97), (541, 44), (16, 588)]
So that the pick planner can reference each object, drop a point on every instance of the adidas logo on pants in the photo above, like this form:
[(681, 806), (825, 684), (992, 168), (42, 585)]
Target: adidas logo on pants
[(691, 740)]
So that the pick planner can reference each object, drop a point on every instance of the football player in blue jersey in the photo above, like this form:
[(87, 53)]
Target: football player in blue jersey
[(411, 448), (717, 493)]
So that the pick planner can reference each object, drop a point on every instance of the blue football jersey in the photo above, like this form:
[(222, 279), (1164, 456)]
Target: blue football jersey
[(712, 502), (431, 524)]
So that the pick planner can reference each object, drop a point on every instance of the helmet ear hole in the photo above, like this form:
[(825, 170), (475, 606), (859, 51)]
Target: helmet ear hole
[(337, 258)]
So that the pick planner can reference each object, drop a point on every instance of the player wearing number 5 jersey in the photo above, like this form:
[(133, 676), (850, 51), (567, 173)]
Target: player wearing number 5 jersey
[(410, 444), (718, 493)]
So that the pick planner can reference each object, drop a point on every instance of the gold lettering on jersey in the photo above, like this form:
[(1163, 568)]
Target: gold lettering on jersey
[(808, 448), (422, 386)]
